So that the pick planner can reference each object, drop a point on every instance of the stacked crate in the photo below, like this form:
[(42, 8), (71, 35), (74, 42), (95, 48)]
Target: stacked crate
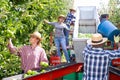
[(86, 23), (79, 75), (73, 76)]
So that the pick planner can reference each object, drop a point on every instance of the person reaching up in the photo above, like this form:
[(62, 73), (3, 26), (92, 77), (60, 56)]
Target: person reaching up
[(59, 37)]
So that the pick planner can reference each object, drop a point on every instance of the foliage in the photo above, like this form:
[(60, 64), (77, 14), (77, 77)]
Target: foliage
[(19, 18), (103, 9), (9, 64), (114, 12)]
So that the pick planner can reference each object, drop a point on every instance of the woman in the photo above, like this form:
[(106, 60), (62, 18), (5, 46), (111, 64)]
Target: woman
[(31, 55), (59, 38)]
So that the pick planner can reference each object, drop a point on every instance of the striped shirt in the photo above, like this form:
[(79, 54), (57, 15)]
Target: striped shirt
[(30, 58), (69, 19), (96, 62)]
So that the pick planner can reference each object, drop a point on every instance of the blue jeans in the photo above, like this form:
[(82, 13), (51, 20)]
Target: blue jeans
[(66, 32), (60, 41)]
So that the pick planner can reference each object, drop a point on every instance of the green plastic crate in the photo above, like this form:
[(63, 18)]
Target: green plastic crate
[(71, 76), (68, 52), (79, 75)]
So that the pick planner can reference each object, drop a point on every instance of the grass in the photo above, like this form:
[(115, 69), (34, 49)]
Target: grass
[(84, 35)]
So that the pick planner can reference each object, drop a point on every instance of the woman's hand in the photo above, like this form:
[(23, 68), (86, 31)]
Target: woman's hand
[(46, 21), (12, 48), (10, 41)]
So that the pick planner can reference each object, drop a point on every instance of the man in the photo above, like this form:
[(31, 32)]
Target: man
[(96, 59), (70, 19), (104, 17)]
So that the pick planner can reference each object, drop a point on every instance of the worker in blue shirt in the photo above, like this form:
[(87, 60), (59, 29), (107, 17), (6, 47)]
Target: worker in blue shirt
[(104, 17), (70, 19), (96, 59)]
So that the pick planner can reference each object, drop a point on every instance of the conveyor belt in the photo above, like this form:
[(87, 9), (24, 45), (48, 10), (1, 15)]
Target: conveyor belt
[(57, 71), (114, 73), (114, 70)]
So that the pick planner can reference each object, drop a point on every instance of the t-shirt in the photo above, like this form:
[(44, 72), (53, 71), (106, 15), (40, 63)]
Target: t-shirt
[(59, 28)]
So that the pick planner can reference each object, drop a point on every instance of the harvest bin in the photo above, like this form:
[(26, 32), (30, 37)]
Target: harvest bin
[(109, 30), (86, 23), (79, 45), (74, 76), (79, 75), (71, 76)]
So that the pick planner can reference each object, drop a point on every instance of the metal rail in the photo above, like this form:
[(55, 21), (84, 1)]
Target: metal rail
[(57, 71), (114, 73)]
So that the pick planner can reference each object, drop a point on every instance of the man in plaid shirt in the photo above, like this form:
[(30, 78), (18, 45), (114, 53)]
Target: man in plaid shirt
[(70, 19), (97, 60)]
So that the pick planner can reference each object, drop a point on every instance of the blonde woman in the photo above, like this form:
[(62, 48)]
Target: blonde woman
[(31, 55)]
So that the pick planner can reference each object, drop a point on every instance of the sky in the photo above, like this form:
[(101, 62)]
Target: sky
[(90, 2)]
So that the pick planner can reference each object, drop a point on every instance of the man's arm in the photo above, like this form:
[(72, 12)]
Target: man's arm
[(66, 27), (117, 52), (114, 54)]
